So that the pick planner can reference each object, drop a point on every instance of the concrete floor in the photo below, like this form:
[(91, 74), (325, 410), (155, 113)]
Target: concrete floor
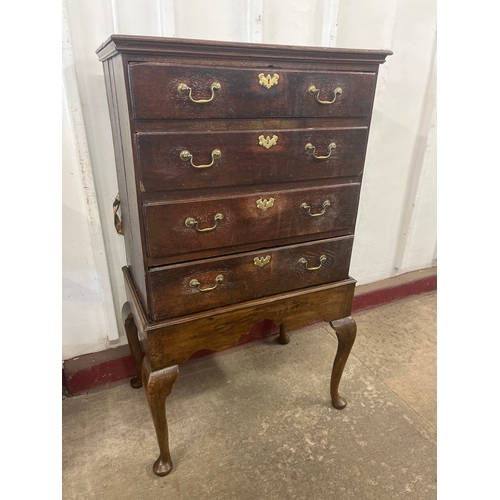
[(256, 422)]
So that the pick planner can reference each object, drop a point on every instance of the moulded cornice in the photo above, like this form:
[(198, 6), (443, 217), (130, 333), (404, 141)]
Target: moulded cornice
[(151, 46)]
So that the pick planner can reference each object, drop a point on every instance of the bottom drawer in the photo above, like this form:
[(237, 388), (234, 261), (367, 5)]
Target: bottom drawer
[(191, 287)]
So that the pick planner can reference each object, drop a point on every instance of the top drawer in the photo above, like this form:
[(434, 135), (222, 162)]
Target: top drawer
[(163, 91)]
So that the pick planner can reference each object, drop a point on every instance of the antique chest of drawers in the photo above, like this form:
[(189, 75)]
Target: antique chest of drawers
[(239, 171)]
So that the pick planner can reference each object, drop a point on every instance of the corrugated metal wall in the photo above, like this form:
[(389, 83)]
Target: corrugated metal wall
[(396, 229)]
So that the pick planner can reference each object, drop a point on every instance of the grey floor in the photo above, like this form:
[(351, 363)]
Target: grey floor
[(256, 422)]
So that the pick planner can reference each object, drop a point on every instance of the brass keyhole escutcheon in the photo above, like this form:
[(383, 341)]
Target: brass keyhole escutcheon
[(264, 204), (268, 81), (268, 142), (262, 261)]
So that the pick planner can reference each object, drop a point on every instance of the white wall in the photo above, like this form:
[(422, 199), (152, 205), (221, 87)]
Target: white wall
[(396, 230)]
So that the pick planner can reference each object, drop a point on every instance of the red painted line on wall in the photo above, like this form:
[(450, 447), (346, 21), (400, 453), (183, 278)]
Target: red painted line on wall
[(389, 294), (99, 375), (105, 373)]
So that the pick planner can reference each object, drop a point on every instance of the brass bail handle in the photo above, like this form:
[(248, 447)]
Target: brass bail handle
[(187, 156), (325, 204), (118, 222), (183, 88), (313, 90), (194, 283), (190, 222), (321, 260), (312, 149)]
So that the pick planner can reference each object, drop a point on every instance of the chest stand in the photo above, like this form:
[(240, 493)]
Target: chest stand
[(168, 343)]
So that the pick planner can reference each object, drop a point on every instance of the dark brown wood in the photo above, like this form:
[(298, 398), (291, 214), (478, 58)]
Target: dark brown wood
[(345, 329), (169, 48), (243, 279), (245, 224), (190, 289), (221, 125), (174, 341), (244, 161), (132, 224), (135, 350), (120, 51), (283, 338), (158, 385), (153, 99)]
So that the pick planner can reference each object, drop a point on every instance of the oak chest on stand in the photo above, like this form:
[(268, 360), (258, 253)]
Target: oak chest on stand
[(239, 171)]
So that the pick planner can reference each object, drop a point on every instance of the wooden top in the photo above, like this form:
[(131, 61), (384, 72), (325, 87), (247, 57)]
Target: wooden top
[(149, 45)]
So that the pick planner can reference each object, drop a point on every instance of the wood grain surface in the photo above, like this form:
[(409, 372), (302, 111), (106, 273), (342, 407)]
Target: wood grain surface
[(155, 95), (174, 341), (244, 161), (138, 46), (169, 240), (244, 280), (192, 235)]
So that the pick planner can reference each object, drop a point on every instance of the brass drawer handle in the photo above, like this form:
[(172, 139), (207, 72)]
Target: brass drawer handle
[(182, 88), (313, 90), (195, 283), (305, 206), (186, 155), (304, 261), (190, 222), (118, 221), (311, 148)]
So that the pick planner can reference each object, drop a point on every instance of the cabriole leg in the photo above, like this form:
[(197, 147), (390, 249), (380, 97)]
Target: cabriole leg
[(158, 385), (346, 333), (135, 349)]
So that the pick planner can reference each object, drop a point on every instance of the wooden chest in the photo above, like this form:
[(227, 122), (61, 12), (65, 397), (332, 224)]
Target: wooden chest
[(239, 170)]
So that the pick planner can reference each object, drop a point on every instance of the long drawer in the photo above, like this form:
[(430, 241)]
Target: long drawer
[(161, 91), (201, 285), (192, 160), (180, 229)]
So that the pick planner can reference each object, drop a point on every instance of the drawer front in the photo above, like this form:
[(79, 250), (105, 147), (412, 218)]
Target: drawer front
[(198, 286), (342, 94), (162, 91), (183, 228), (191, 160)]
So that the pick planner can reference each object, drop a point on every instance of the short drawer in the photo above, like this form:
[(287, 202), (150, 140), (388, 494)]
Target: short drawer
[(188, 228), (163, 91), (192, 160), (197, 286)]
